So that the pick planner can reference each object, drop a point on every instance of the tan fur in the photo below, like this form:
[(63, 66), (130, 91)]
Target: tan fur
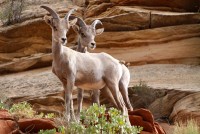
[(89, 33)]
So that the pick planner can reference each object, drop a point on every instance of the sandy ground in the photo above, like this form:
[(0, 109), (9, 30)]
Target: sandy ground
[(167, 76), (43, 81)]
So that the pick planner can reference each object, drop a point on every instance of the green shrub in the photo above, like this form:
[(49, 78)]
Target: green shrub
[(96, 122), (25, 110), (22, 110)]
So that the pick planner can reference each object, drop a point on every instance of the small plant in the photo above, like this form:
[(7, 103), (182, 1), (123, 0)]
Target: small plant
[(61, 130), (25, 110), (51, 131), (190, 127), (146, 94), (2, 105), (49, 115), (4, 102), (22, 110)]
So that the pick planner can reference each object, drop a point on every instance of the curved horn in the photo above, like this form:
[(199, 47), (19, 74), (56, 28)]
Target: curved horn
[(80, 22), (51, 11), (95, 23), (69, 13)]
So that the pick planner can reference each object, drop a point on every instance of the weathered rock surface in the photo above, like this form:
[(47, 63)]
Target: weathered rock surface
[(123, 18), (187, 5), (160, 45), (176, 44)]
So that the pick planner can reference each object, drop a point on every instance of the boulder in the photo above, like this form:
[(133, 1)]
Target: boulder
[(160, 110), (144, 118), (35, 125), (187, 108), (10, 125)]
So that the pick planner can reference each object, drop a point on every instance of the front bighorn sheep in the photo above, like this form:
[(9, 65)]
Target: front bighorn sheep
[(86, 37), (88, 71)]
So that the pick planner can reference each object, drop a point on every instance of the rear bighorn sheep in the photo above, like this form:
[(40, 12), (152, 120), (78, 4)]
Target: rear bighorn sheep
[(88, 71), (82, 46), (86, 37)]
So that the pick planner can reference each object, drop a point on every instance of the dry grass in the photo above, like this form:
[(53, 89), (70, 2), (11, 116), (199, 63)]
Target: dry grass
[(190, 127)]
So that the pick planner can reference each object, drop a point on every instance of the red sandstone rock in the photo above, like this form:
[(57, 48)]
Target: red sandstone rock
[(144, 118), (7, 123), (35, 125)]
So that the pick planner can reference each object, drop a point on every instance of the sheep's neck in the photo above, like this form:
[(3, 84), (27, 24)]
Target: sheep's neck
[(56, 50), (80, 48)]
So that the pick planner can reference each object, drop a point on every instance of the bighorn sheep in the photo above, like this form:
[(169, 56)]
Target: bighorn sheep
[(89, 71), (86, 37), (83, 40)]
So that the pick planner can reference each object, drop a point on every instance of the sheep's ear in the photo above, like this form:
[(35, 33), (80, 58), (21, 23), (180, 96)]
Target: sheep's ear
[(73, 22), (75, 28), (99, 31), (48, 20)]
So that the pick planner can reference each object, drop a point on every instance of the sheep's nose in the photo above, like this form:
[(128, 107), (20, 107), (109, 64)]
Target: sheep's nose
[(93, 44), (63, 39)]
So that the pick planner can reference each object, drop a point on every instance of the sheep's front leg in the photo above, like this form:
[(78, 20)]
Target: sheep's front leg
[(73, 118), (68, 97), (80, 101)]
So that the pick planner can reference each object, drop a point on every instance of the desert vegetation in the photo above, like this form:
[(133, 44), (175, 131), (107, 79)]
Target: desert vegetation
[(23, 110), (96, 119), (146, 94), (190, 126)]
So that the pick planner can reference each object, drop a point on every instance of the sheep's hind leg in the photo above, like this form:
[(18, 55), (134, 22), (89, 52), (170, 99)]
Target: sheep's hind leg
[(95, 96), (109, 96), (119, 100), (124, 92)]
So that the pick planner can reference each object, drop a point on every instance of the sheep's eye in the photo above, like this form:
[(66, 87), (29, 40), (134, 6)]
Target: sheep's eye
[(83, 35), (54, 27)]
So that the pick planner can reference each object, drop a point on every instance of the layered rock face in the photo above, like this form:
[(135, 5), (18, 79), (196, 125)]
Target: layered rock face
[(148, 33)]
